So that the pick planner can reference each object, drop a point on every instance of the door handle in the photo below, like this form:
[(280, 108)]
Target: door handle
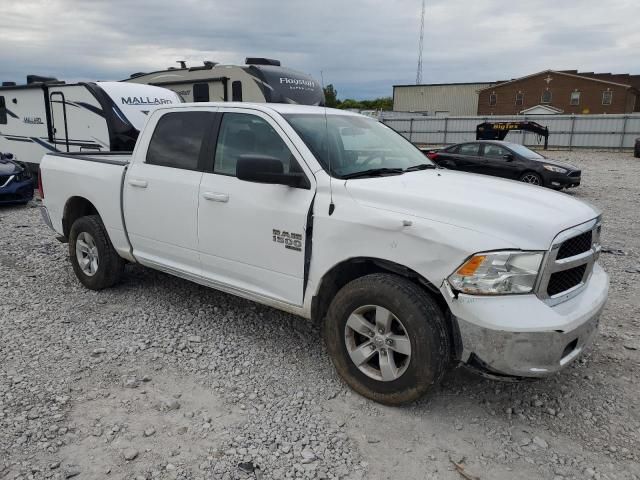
[(216, 197), (135, 182)]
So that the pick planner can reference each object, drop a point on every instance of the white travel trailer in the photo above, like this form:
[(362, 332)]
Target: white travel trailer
[(47, 115), (261, 80)]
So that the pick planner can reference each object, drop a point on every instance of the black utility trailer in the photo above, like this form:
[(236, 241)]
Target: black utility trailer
[(499, 130)]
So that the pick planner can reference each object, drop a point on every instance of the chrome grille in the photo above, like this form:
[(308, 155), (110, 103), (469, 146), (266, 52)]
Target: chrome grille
[(569, 262), (5, 179), (576, 245), (566, 279)]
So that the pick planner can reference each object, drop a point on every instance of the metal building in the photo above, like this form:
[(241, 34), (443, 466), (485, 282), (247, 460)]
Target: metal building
[(439, 99)]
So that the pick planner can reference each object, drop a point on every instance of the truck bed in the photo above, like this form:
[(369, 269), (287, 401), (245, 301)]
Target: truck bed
[(97, 177), (112, 158)]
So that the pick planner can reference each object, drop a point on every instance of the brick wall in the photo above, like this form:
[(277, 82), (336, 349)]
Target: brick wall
[(561, 86)]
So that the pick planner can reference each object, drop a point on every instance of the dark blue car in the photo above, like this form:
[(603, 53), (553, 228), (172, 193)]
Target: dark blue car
[(16, 182)]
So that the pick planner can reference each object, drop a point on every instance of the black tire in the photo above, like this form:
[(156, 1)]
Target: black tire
[(532, 178), (110, 264), (423, 321)]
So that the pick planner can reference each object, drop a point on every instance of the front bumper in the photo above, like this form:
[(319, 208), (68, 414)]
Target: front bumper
[(521, 335), (562, 180), (16, 192)]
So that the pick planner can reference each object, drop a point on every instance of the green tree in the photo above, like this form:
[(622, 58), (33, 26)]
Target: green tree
[(331, 96), (383, 103)]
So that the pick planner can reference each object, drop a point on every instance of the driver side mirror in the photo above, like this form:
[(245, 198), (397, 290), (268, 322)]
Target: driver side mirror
[(508, 157), (266, 169)]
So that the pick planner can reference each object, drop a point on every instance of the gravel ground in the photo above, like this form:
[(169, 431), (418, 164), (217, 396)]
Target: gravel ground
[(161, 378)]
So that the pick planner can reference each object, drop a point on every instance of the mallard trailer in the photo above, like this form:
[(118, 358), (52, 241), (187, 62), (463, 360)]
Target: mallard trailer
[(260, 80), (48, 115)]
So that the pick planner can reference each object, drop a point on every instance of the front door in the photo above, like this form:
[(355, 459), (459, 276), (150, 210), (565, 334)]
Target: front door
[(252, 236), (161, 192)]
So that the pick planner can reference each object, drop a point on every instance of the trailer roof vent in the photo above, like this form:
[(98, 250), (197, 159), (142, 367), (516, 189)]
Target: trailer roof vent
[(262, 61), (137, 74), (8, 84), (207, 66), (40, 79)]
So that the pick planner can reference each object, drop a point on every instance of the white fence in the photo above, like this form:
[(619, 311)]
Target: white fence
[(565, 131)]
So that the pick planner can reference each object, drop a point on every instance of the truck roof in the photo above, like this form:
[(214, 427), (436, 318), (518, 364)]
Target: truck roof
[(282, 108)]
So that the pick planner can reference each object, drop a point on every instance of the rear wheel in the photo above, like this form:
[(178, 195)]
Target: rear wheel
[(532, 178), (387, 338), (95, 262)]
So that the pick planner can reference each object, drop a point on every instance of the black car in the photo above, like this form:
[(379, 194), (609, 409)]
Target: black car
[(507, 160), (16, 182)]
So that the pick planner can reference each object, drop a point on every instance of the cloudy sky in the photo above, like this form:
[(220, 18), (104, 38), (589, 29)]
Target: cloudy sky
[(362, 46)]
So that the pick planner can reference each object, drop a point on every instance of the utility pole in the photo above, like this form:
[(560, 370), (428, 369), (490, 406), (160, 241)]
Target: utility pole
[(419, 74)]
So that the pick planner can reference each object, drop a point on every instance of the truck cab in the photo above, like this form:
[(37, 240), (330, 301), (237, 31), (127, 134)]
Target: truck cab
[(333, 216)]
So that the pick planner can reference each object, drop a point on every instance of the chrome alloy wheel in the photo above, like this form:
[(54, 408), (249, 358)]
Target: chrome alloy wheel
[(531, 178), (87, 254), (377, 343)]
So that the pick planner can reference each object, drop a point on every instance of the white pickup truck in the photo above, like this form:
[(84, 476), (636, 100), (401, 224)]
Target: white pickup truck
[(335, 217)]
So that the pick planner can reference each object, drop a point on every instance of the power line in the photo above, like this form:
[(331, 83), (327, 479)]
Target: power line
[(419, 74)]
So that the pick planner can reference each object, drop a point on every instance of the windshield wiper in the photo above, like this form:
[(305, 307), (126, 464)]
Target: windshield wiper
[(373, 172), (421, 166)]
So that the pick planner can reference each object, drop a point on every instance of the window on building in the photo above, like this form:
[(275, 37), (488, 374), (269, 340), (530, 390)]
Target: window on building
[(575, 98), (493, 98), (519, 98), (607, 97), (178, 138), (245, 134), (236, 91), (200, 92), (3, 111), (546, 97)]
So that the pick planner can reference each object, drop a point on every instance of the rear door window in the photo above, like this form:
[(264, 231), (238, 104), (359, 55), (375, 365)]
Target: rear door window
[(469, 149), (494, 151), (178, 140)]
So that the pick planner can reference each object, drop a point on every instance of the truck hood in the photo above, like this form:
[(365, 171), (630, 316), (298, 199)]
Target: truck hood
[(522, 216)]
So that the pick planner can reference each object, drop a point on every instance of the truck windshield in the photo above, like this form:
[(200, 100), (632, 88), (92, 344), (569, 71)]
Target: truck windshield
[(346, 145)]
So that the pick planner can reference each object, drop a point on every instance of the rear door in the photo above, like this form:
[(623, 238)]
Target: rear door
[(497, 164), (161, 191), (252, 236), (467, 158)]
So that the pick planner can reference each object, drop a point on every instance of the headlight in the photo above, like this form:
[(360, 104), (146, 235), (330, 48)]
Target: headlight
[(497, 273), (23, 175), (553, 168)]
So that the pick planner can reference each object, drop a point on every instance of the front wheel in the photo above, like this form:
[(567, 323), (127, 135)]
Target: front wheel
[(532, 178), (387, 338), (95, 262)]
